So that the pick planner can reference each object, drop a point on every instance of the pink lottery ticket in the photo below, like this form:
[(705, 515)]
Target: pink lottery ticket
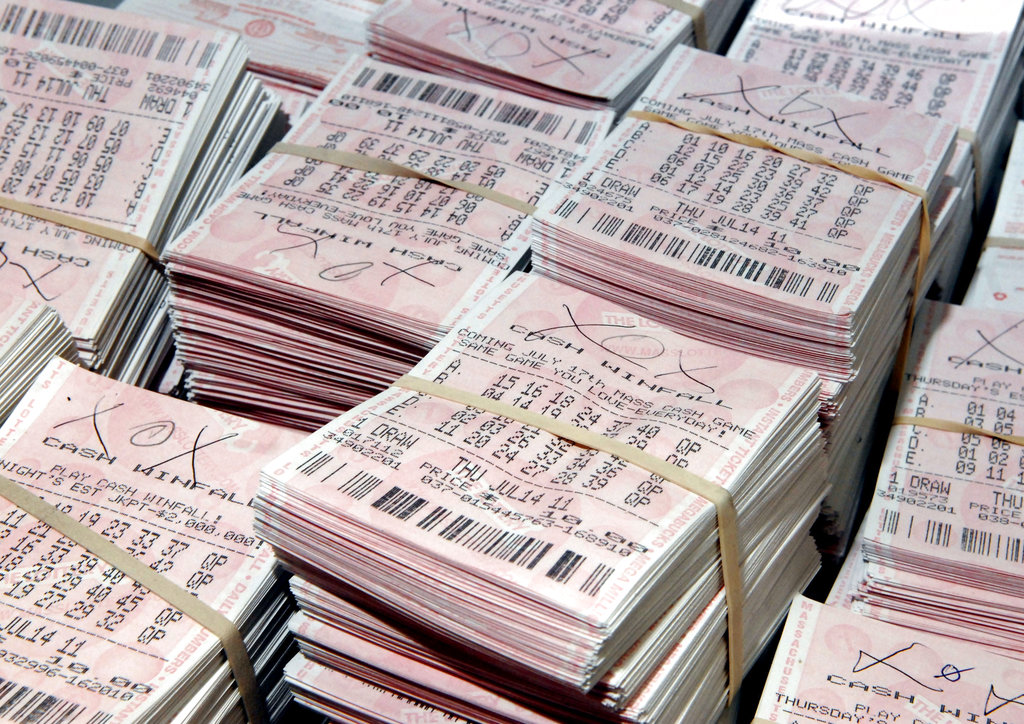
[(167, 481), (833, 666), (952, 497), (747, 218), (397, 244), (594, 48), (752, 99), (453, 128), (101, 107), (941, 57), (304, 42)]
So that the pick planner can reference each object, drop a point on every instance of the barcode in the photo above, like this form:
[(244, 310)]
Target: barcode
[(566, 565), (22, 704), (566, 207), (596, 579), (360, 485), (433, 518), (94, 34), (400, 503), (466, 101), (504, 545), (516, 548), (890, 522), (937, 533), (607, 224), (315, 461), (991, 545), (709, 257)]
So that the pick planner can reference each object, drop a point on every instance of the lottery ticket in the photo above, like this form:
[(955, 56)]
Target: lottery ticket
[(1007, 227), (938, 550), (946, 503), (946, 59), (834, 666), (104, 109), (169, 482), (83, 277), (789, 112), (689, 684), (453, 128), (939, 58), (105, 117), (580, 53), (304, 42), (998, 280), (752, 247), (347, 698), (532, 524), (433, 675)]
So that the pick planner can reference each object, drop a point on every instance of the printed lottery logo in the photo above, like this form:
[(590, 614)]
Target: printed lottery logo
[(260, 28), (892, 10)]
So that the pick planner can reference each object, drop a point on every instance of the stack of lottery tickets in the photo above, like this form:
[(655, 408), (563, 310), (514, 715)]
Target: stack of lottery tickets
[(127, 124), (294, 50), (30, 334), (941, 546), (534, 571), (833, 666), (747, 247), (998, 280), (313, 285), (170, 484), (581, 53), (948, 59)]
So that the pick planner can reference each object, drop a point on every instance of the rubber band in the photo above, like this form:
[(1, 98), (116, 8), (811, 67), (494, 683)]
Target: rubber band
[(728, 533), (1003, 242), (89, 227), (216, 622), (696, 13), (967, 135), (934, 423), (362, 162)]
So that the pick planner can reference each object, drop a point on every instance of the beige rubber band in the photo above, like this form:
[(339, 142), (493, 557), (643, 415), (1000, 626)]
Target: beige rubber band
[(370, 164), (924, 240), (1003, 242), (89, 227), (720, 497), (696, 13), (935, 423), (216, 622), (967, 135)]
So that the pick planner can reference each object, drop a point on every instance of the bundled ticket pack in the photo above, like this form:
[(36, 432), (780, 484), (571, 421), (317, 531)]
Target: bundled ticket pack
[(294, 50), (946, 59), (734, 240), (585, 54), (128, 125), (315, 283), (833, 666), (998, 280), (565, 578), (941, 545), (30, 334), (170, 485)]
